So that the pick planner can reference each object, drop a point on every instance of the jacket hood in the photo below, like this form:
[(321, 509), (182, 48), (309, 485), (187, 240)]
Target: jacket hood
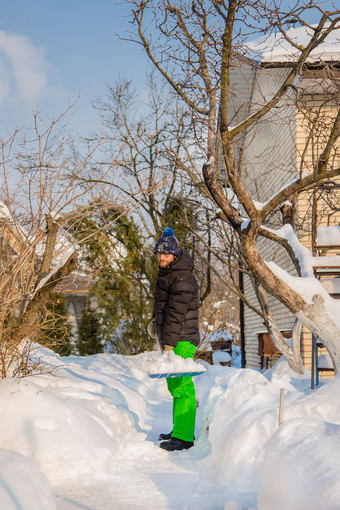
[(182, 261)]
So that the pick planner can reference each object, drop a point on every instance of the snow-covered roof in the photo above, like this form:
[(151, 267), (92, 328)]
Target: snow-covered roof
[(220, 334), (275, 48), (4, 211)]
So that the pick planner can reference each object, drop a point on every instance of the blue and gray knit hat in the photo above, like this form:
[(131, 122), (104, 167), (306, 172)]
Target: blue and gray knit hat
[(167, 243)]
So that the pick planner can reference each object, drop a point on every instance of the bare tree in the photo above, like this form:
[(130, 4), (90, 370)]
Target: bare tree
[(196, 47), (152, 163), (152, 131), (41, 199)]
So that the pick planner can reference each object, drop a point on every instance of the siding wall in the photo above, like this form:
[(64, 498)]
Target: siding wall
[(269, 162), (242, 78), (270, 156), (253, 322), (274, 152)]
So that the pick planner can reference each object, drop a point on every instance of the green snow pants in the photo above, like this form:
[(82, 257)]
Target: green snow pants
[(183, 392)]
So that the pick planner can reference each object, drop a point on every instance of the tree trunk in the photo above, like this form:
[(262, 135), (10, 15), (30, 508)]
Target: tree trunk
[(27, 322), (316, 318)]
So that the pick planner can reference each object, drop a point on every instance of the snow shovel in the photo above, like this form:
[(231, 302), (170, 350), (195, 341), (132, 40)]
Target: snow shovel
[(168, 375)]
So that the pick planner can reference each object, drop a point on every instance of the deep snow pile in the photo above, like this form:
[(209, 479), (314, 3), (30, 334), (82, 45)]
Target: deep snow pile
[(93, 426), (169, 363)]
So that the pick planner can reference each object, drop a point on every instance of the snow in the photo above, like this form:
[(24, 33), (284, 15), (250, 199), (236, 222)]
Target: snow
[(259, 205), (276, 48), (220, 334), (326, 261), (221, 357), (23, 486), (328, 236), (306, 260), (332, 285), (218, 304), (4, 211), (169, 363), (58, 263), (282, 467), (307, 285), (324, 361), (245, 224), (85, 436)]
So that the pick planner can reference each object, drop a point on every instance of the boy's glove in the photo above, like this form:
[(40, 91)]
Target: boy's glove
[(151, 329), (168, 348)]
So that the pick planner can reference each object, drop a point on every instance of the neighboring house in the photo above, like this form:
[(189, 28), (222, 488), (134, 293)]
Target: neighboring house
[(11, 240), (280, 146), (218, 349), (13, 245), (75, 288)]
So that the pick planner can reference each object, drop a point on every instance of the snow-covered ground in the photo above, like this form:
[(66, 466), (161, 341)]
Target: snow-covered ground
[(85, 437)]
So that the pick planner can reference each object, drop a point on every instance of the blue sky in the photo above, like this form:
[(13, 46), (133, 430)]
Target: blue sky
[(51, 51)]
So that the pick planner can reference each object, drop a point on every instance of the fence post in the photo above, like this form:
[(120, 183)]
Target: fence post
[(281, 406)]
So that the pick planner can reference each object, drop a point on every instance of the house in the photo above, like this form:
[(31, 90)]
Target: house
[(17, 251), (217, 348), (11, 240), (284, 143)]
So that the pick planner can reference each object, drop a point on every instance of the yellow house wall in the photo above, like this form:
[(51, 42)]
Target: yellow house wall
[(276, 151), (308, 149)]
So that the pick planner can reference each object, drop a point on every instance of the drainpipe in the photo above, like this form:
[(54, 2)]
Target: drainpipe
[(242, 337)]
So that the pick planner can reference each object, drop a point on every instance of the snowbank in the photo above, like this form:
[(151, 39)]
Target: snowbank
[(22, 485), (93, 425), (300, 469), (294, 466), (245, 416), (68, 435), (169, 362)]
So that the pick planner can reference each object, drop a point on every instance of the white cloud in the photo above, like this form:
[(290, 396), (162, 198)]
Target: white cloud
[(23, 71)]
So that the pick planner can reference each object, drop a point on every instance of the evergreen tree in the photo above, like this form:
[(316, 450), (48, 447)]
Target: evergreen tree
[(89, 338), (55, 328), (124, 269)]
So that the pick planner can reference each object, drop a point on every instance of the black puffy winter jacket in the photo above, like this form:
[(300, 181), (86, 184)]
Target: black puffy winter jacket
[(176, 306)]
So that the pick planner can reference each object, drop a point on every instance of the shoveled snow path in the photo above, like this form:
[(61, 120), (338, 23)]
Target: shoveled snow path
[(158, 480), (140, 475), (146, 477)]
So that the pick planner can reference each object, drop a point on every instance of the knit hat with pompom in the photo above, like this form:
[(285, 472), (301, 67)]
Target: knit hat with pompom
[(167, 243)]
